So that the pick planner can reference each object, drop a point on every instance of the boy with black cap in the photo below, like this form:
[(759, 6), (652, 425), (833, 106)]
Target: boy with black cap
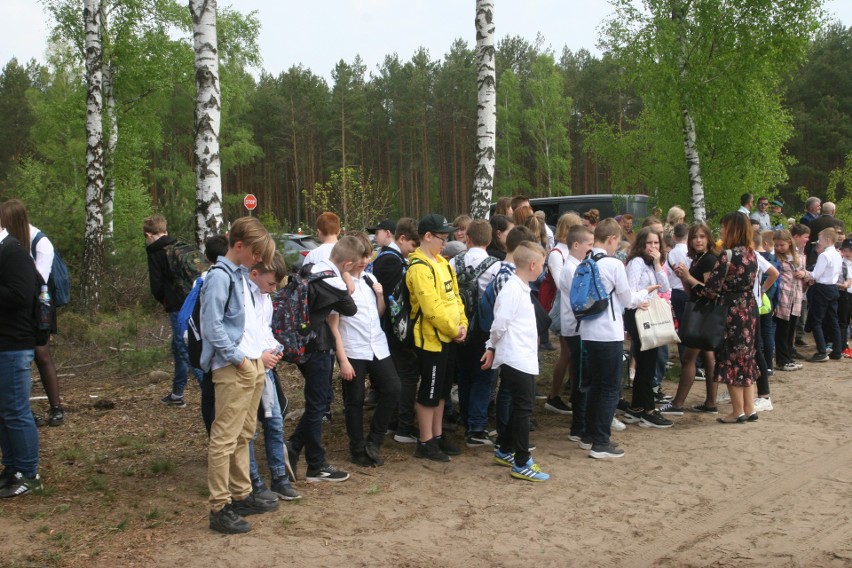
[(384, 232), (440, 320)]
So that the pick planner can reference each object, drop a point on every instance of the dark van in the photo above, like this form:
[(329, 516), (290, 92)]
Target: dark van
[(609, 205)]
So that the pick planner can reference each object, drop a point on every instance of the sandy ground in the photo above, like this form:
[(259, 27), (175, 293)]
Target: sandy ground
[(773, 493)]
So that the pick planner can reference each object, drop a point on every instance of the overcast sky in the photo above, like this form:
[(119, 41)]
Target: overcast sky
[(319, 33)]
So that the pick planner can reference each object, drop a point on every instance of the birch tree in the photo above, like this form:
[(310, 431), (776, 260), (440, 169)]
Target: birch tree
[(486, 111), (208, 111), (93, 251)]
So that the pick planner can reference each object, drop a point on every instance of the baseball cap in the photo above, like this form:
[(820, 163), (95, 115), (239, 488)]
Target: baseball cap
[(384, 224), (777, 203), (453, 248), (846, 244), (434, 223)]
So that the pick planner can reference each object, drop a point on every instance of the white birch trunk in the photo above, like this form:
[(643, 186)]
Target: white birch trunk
[(112, 142), (93, 248), (486, 111), (208, 117)]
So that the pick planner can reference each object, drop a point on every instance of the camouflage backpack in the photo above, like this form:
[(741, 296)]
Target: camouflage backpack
[(186, 264)]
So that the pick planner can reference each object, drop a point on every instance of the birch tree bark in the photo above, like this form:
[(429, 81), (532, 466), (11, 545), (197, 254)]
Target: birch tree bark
[(486, 111), (93, 248), (112, 131), (208, 117)]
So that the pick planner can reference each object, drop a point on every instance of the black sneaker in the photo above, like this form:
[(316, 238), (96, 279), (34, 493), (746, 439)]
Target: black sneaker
[(555, 404), (21, 485), (797, 355), (360, 458), (7, 478), (326, 418), (39, 420), (172, 400), (372, 451), (660, 397), (430, 451), (605, 451), (704, 408), (447, 446), (622, 405), (292, 458), (56, 417), (284, 489), (671, 409), (261, 491), (819, 358), (254, 505), (478, 440), (326, 473), (654, 419), (631, 416), (228, 522)]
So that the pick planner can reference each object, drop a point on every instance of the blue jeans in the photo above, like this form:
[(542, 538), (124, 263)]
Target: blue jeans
[(181, 359), (660, 370), (308, 433), (18, 433), (601, 371), (474, 386), (273, 438)]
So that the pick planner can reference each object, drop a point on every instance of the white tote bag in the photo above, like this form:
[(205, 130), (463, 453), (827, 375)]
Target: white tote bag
[(656, 324)]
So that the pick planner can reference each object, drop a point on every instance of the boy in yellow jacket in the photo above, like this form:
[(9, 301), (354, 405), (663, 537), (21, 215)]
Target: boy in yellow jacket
[(440, 321)]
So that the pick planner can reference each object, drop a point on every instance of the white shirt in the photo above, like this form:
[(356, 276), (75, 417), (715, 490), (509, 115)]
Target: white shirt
[(555, 260), (362, 334), (319, 254), (609, 326), (472, 257), (551, 242), (828, 269), (763, 267), (44, 254), (566, 314), (641, 275), (676, 256), (513, 333), (254, 337)]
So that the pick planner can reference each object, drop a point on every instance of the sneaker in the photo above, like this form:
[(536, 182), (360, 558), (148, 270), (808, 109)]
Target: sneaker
[(254, 505), (617, 425), (818, 358), (555, 404), (723, 397), (540, 395), (404, 437), (654, 419), (172, 400), (262, 492), (39, 420), (847, 352), (660, 396), (372, 451), (361, 459), (700, 375), (789, 367), (671, 410), (631, 416), (292, 459), (448, 447), (284, 489), (21, 485), (228, 522), (704, 408), (762, 404), (7, 478), (622, 405), (326, 473), (585, 444), (504, 458), (430, 451), (478, 440), (797, 355), (529, 472), (56, 417), (372, 399), (326, 418), (605, 451)]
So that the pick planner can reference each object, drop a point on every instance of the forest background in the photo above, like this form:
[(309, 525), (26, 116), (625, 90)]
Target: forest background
[(403, 134)]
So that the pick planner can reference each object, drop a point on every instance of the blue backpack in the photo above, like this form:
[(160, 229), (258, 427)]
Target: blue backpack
[(589, 298), (59, 283), (485, 308)]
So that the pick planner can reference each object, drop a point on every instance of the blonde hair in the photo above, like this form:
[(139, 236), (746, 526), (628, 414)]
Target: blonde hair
[(566, 222), (526, 252), (365, 242), (254, 236), (154, 225), (347, 249), (675, 215)]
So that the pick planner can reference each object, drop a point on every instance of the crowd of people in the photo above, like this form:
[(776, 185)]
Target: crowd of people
[(480, 300)]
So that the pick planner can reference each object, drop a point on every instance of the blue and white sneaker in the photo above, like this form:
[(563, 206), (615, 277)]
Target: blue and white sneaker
[(504, 458), (529, 472)]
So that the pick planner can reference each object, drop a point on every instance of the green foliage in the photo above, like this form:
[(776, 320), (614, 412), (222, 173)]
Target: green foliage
[(839, 190), (350, 194)]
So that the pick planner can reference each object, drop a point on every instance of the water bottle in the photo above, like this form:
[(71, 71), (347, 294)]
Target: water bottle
[(45, 319), (395, 308)]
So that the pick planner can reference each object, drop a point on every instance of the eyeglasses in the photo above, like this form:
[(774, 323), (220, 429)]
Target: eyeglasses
[(444, 240), (762, 203)]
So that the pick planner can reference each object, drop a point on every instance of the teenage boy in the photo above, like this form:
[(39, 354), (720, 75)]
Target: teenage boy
[(18, 432), (363, 348), (232, 351), (678, 255), (389, 269), (513, 346), (603, 339), (580, 241), (475, 382), (844, 304), (170, 297), (436, 304), (823, 308), (328, 231), (325, 295), (801, 237), (384, 231), (263, 281)]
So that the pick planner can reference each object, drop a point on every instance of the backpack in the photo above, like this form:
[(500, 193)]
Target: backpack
[(403, 325), (194, 344), (468, 281), (59, 282), (186, 264), (589, 298), (369, 268), (291, 314), (485, 309), (548, 291)]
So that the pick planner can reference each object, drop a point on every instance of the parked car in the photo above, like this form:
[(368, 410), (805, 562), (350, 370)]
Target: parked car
[(295, 248), (609, 205)]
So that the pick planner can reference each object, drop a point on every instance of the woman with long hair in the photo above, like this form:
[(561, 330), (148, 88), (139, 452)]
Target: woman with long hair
[(732, 281), (699, 245), (500, 227), (14, 218), (788, 306), (645, 268), (503, 206)]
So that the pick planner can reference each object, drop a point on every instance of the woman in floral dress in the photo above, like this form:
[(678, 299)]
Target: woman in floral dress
[(734, 285)]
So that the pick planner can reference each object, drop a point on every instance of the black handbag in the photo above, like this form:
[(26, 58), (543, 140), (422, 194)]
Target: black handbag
[(703, 324)]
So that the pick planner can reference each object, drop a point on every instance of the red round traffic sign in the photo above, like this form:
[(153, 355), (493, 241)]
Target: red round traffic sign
[(250, 201)]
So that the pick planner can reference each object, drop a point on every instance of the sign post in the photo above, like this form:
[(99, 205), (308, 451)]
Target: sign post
[(250, 201)]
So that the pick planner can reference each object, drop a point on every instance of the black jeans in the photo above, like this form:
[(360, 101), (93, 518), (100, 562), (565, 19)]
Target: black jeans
[(408, 371), (308, 432), (785, 331), (516, 438), (384, 379), (679, 300), (844, 310), (824, 311), (578, 397), (763, 379), (646, 366), (601, 370)]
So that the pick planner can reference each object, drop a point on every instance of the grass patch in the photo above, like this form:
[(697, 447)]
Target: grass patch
[(97, 484), (374, 490), (131, 442), (73, 454), (153, 514), (63, 508), (162, 466)]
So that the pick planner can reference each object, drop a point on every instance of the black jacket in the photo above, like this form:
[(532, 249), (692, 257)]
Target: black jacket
[(388, 270), (160, 275), (19, 288), (323, 298)]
